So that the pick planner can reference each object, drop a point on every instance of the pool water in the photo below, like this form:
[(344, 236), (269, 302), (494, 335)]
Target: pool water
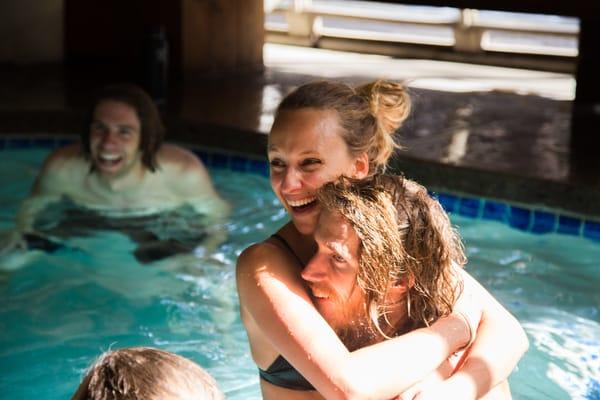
[(60, 310)]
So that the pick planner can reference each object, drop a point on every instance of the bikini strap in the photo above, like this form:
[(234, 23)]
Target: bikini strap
[(285, 244)]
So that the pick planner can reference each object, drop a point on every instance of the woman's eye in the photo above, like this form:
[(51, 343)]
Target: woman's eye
[(275, 163), (311, 162)]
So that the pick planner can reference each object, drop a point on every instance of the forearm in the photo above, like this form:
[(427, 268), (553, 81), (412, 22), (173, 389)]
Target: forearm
[(500, 343), (397, 364), (490, 360), (28, 210)]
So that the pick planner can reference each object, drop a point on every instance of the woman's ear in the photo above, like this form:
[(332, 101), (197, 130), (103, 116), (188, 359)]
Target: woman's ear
[(361, 166)]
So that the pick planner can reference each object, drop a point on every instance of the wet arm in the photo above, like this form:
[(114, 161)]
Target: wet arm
[(44, 191), (39, 199), (273, 297), (500, 344), (194, 186)]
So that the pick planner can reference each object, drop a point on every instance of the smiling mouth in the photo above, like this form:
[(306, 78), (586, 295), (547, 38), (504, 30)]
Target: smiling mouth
[(304, 204), (109, 159), (319, 294)]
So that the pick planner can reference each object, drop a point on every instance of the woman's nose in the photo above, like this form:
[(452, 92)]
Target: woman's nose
[(291, 180)]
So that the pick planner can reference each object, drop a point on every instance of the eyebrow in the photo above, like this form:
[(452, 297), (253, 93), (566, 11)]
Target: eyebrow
[(339, 249), (99, 121), (304, 153)]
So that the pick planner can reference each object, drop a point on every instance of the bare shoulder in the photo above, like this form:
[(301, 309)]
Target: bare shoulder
[(268, 258), (256, 255), (61, 169), (176, 157), (63, 157), (184, 174)]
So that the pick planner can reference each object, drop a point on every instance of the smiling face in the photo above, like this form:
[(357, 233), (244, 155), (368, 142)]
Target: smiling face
[(332, 273), (115, 134), (306, 150)]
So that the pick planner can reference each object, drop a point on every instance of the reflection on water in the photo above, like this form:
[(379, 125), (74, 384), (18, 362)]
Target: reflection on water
[(61, 309)]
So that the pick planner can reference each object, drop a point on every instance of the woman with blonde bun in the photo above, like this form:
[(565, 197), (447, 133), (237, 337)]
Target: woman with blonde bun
[(324, 130)]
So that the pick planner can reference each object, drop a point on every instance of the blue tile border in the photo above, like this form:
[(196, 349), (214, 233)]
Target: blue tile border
[(219, 160), (543, 222), (519, 218), (202, 155), (44, 142), (495, 211), (449, 202), (568, 225), (591, 230), (18, 144), (259, 167), (239, 164), (469, 207), (531, 220), (64, 141)]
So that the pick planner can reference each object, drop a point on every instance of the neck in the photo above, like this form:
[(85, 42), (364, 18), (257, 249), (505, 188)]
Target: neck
[(304, 245), (361, 332)]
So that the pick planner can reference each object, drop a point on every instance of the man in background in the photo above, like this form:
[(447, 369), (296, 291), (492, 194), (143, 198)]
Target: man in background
[(120, 167)]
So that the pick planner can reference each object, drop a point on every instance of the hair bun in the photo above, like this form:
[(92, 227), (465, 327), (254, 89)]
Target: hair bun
[(390, 105)]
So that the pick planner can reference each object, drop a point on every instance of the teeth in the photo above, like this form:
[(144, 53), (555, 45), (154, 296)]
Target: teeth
[(109, 157), (319, 295), (298, 203)]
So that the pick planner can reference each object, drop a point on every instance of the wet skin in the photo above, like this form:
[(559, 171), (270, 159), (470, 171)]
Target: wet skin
[(306, 150)]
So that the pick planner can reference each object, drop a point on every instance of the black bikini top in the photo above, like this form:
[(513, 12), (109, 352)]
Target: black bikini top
[(281, 373)]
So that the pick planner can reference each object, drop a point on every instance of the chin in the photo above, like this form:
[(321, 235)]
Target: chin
[(305, 226)]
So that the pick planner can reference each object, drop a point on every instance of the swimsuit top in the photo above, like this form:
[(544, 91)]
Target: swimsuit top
[(281, 373)]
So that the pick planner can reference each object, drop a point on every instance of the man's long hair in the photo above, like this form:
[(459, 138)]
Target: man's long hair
[(406, 237), (152, 130)]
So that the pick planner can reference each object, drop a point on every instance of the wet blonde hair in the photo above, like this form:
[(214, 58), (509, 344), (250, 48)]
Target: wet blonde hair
[(406, 237), (369, 114), (143, 373)]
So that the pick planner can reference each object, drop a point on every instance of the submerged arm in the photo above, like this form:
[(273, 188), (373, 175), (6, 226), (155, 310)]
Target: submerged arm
[(43, 193), (276, 309)]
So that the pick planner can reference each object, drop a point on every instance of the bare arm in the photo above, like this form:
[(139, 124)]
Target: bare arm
[(48, 186), (43, 193), (191, 182), (277, 310), (500, 344)]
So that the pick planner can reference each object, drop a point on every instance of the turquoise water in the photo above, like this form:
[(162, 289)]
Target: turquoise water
[(58, 311)]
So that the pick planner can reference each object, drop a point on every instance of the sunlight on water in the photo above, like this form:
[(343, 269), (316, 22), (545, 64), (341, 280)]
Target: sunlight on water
[(60, 310)]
